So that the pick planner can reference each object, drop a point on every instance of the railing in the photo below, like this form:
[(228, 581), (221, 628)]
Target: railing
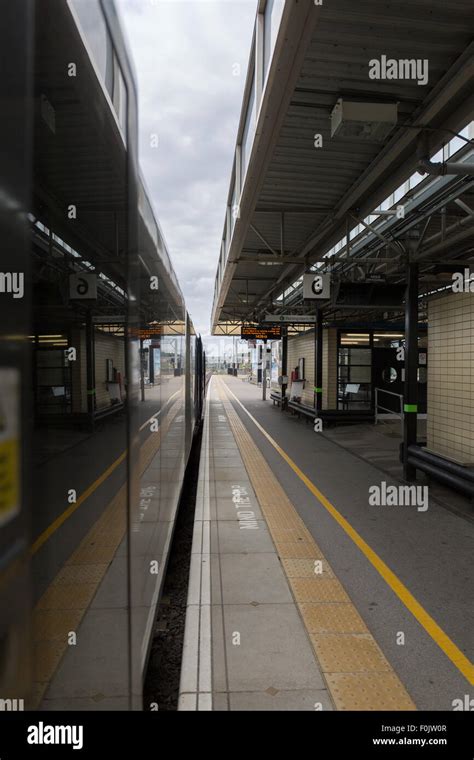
[(378, 406)]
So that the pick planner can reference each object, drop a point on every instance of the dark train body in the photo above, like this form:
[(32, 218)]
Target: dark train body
[(101, 372)]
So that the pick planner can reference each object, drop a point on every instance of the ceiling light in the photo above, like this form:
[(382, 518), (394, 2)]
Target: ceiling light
[(363, 121)]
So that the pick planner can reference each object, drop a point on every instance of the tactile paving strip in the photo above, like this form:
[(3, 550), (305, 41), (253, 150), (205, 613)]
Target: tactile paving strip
[(332, 618), (368, 691), (318, 590), (357, 674), (296, 550), (307, 568), (349, 653)]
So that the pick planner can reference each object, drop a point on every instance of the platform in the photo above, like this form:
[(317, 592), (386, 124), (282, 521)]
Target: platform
[(303, 597)]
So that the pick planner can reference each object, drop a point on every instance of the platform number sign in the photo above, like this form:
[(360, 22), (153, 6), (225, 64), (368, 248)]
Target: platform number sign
[(316, 285), (82, 286)]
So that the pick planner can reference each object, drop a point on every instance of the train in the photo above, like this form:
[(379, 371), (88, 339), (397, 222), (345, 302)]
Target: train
[(102, 374)]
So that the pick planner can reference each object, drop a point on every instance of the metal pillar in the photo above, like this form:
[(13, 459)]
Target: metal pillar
[(142, 372), (90, 368), (264, 370), (410, 398), (284, 365), (318, 361)]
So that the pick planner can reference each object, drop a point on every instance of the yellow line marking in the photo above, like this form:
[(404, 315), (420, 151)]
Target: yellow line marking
[(462, 663), (52, 528)]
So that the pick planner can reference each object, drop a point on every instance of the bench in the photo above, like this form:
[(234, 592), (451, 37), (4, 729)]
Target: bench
[(333, 416), (279, 400), (301, 409)]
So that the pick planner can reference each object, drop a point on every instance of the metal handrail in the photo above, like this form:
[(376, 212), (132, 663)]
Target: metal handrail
[(400, 414)]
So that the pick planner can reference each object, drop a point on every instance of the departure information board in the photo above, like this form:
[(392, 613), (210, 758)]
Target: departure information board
[(260, 332)]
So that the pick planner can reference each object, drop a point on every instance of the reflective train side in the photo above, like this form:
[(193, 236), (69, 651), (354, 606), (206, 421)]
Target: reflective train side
[(101, 372)]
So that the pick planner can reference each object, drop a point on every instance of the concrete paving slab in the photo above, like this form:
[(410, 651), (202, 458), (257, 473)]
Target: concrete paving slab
[(253, 578), (95, 667), (219, 665), (274, 651), (308, 700), (224, 489), (220, 702), (229, 510), (233, 539)]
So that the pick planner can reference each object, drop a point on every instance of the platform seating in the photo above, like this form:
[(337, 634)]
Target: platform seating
[(333, 416)]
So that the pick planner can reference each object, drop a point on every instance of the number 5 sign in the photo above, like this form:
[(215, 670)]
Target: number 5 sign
[(82, 286)]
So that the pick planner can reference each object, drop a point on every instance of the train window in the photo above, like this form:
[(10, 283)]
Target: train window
[(120, 96), (94, 29)]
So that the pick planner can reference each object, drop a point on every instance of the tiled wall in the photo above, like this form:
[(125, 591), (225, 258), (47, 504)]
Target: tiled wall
[(79, 371), (106, 347), (450, 419), (330, 369), (302, 346)]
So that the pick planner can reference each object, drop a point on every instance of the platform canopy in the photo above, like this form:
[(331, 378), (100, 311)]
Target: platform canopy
[(343, 104)]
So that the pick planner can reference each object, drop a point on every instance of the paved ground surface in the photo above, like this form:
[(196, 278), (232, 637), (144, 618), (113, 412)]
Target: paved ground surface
[(429, 552), (245, 644), (389, 621)]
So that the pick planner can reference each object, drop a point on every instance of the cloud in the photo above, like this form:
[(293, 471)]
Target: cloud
[(184, 52)]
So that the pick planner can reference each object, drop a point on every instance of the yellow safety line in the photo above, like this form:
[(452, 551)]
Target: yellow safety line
[(52, 528), (462, 663)]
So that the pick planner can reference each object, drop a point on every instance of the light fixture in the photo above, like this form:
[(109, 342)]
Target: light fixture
[(363, 121)]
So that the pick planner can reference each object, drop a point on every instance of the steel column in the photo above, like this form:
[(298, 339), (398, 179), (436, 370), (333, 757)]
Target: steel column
[(284, 364), (318, 361), (264, 370), (410, 398), (90, 373)]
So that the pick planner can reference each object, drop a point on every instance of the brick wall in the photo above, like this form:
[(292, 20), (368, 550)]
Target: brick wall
[(302, 346), (79, 371), (450, 419), (106, 347), (330, 368)]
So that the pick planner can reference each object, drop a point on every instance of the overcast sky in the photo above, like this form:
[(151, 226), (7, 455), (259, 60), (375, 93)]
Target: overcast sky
[(184, 53)]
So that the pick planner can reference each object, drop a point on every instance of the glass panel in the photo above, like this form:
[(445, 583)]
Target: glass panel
[(79, 380), (94, 29), (120, 96), (249, 130), (234, 209), (360, 374), (343, 373), (273, 13)]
